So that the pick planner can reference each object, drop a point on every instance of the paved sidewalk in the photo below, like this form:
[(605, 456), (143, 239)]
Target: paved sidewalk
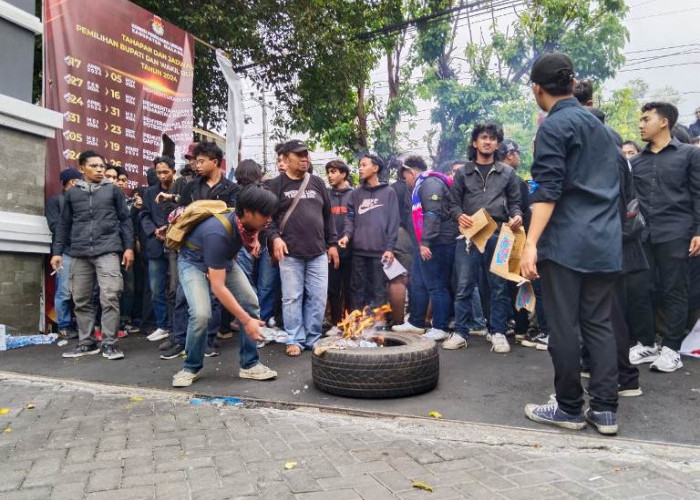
[(100, 443)]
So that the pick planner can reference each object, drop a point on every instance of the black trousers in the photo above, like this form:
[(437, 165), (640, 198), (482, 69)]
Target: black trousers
[(628, 374), (367, 282), (640, 310), (339, 288), (578, 306), (669, 268)]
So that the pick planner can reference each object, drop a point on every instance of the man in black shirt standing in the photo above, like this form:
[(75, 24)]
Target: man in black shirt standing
[(303, 246), (667, 178), (575, 245)]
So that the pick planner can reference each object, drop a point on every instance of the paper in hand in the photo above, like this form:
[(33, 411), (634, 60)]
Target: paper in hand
[(394, 269), (483, 227)]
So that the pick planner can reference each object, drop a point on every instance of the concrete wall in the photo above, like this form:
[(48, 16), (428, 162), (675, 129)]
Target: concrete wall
[(22, 158), (21, 275)]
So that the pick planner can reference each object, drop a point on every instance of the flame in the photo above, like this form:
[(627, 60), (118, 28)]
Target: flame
[(355, 322)]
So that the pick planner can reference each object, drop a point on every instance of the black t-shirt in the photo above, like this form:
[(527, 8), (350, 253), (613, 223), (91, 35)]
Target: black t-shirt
[(484, 169), (216, 247)]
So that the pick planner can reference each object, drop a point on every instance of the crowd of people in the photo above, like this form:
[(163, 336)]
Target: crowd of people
[(612, 232)]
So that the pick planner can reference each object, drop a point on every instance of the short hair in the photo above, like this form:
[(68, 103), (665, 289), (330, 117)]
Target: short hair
[(210, 150), (597, 113), (491, 128), (122, 171), (340, 166), (415, 161), (109, 166), (256, 198), (168, 160), (633, 144), (278, 148), (664, 110), (457, 162), (681, 133), (583, 92), (376, 161), (248, 172), (85, 155)]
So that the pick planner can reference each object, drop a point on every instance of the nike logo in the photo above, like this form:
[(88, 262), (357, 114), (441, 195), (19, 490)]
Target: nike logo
[(368, 204)]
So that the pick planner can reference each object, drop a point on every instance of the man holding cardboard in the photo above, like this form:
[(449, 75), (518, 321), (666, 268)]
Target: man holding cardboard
[(487, 184), (575, 246)]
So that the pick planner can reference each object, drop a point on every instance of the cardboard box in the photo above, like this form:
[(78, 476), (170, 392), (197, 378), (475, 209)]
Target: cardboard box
[(506, 264), (482, 229)]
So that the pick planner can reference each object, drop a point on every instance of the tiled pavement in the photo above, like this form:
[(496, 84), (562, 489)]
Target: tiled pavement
[(82, 442)]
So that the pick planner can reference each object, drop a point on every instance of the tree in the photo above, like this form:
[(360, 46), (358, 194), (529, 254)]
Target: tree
[(622, 109)]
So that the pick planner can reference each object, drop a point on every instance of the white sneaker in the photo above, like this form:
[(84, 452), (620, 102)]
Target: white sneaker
[(643, 354), (333, 332), (499, 343), (158, 335), (436, 334), (184, 378), (479, 332), (257, 372), (456, 341), (668, 361), (407, 328)]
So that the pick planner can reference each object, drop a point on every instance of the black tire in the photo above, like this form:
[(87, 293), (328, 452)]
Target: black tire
[(408, 364)]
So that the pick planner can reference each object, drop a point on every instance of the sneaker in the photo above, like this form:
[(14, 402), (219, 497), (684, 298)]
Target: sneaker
[(184, 378), (166, 344), (585, 374), (499, 343), (112, 352), (643, 354), (129, 328), (224, 335), (539, 341), (82, 350), (334, 331), (668, 361), (605, 422), (122, 334), (479, 332), (551, 414), (456, 341), (210, 352), (175, 351), (257, 372), (68, 333), (629, 392), (158, 335), (436, 334), (407, 327)]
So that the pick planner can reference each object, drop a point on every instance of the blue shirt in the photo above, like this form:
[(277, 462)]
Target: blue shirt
[(575, 166), (214, 246)]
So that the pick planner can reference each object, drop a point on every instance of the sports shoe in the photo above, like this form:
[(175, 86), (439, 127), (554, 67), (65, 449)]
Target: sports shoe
[(112, 352), (82, 350), (456, 341), (499, 343), (68, 333), (479, 332), (643, 354), (539, 341), (605, 422), (184, 378), (629, 392), (158, 334), (210, 352), (257, 372), (333, 331), (407, 327), (166, 344), (175, 351), (668, 361), (585, 374), (436, 334), (551, 414), (129, 328), (122, 334), (224, 335)]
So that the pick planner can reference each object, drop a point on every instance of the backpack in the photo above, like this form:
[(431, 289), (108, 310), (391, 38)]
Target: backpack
[(195, 213)]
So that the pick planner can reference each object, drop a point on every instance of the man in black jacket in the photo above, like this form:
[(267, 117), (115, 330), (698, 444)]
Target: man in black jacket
[(484, 183), (62, 296), (96, 221)]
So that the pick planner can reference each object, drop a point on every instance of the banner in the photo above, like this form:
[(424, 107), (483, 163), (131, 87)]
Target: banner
[(121, 77), (234, 116)]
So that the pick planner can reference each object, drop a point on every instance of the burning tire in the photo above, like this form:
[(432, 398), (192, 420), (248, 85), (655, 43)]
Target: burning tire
[(405, 366)]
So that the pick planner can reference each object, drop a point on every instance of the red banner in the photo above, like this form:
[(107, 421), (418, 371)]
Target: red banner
[(121, 77)]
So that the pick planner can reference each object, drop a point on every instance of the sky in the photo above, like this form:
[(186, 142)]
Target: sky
[(663, 50)]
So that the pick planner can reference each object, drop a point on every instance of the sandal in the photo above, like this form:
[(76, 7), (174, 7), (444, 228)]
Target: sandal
[(293, 350)]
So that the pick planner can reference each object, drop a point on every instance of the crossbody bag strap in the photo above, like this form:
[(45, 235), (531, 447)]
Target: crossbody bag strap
[(295, 201)]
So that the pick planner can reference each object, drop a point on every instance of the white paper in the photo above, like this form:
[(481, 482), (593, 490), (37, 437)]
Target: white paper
[(691, 344), (394, 269)]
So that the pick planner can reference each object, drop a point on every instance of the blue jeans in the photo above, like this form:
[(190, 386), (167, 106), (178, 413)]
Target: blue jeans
[(247, 265), (62, 296), (304, 295), (198, 293), (467, 267), (158, 281), (475, 316), (268, 285), (181, 316), (430, 281)]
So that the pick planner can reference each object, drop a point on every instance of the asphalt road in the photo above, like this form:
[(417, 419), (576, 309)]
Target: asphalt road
[(475, 385)]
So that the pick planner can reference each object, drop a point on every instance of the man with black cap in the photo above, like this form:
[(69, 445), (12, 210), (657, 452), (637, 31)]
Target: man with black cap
[(575, 246), (62, 296), (303, 240)]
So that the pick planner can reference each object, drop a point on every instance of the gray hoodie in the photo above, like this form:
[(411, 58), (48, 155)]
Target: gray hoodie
[(372, 221)]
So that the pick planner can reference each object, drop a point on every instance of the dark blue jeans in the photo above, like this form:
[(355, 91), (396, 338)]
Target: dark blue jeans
[(158, 280), (430, 281), (467, 267)]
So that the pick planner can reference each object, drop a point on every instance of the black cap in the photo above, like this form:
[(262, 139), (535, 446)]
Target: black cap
[(552, 68), (70, 174), (293, 146)]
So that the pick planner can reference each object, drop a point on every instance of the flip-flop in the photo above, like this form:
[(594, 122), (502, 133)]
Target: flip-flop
[(293, 350)]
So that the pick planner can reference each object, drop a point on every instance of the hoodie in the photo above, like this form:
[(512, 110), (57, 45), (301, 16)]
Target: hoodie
[(339, 210), (372, 222)]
